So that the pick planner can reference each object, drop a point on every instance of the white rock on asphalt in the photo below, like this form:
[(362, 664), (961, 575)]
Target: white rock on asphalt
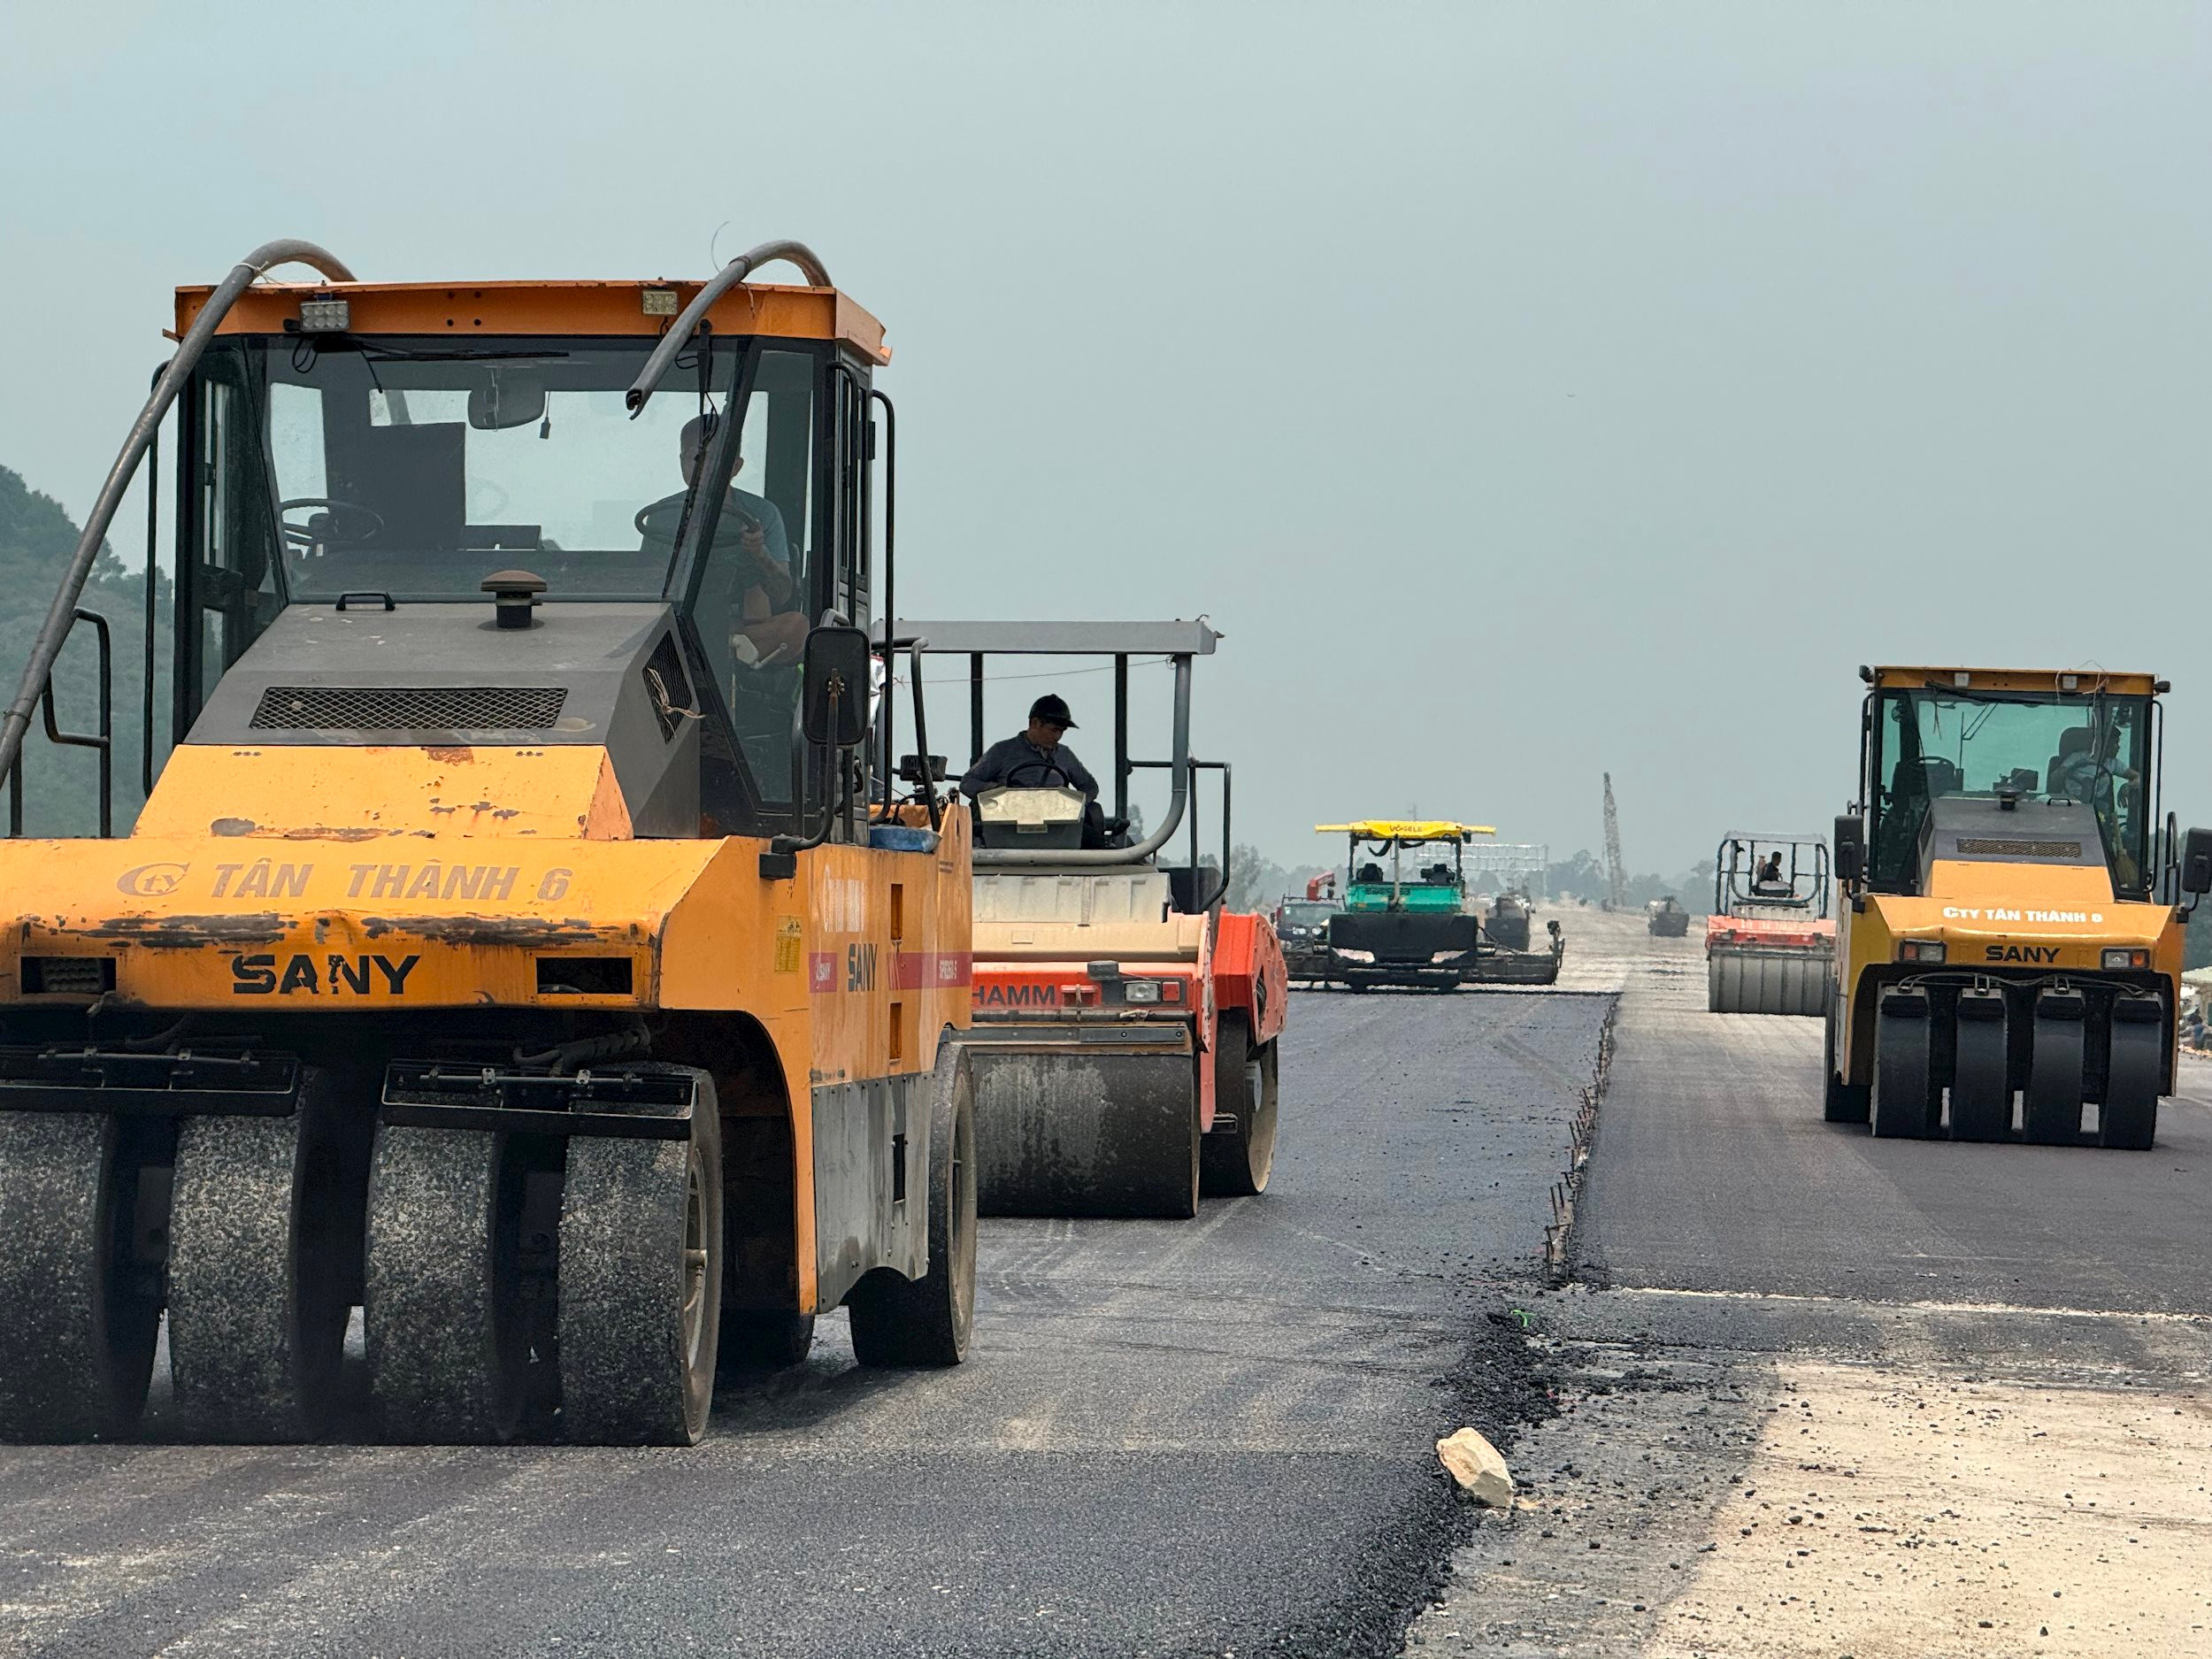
[(1476, 1465)]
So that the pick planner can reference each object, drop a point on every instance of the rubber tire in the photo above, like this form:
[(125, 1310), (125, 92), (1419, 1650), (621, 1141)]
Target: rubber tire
[(2051, 1104), (1845, 1102), (1981, 1095), (930, 1321), (756, 1339), (448, 1349), (641, 1245), (1901, 1106), (78, 1318), (1238, 1165), (264, 1245), (2128, 1118)]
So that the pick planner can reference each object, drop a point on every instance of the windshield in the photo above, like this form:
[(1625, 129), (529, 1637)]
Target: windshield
[(2092, 750), (1305, 913), (416, 468)]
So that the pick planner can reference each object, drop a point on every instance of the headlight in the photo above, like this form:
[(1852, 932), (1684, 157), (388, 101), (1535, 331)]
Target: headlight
[(1353, 956), (2123, 957), (1139, 990), (1920, 951)]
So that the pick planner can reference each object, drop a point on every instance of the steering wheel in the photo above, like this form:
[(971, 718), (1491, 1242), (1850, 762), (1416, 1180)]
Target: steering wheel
[(302, 535), (652, 506), (1042, 783)]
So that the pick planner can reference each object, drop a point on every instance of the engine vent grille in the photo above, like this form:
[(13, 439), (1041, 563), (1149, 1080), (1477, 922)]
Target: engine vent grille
[(1989, 847), (68, 976), (408, 708)]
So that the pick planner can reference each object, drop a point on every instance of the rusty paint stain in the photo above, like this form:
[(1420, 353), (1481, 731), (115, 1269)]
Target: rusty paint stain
[(317, 833), (190, 932), (452, 757), (232, 826), (517, 931)]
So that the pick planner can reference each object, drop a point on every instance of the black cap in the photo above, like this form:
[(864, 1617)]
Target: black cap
[(1052, 708)]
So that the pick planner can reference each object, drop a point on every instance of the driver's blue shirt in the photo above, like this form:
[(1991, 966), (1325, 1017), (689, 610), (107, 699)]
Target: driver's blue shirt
[(1018, 760)]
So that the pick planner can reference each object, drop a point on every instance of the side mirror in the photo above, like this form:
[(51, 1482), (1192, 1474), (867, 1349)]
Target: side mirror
[(910, 769), (836, 686), (1850, 848), (509, 397), (2196, 862)]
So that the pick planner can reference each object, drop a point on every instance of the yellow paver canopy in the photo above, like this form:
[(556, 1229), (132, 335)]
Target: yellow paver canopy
[(1393, 829)]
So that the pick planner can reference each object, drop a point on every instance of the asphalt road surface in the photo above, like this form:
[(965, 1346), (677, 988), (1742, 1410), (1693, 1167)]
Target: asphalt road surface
[(1820, 1394), (1174, 1437)]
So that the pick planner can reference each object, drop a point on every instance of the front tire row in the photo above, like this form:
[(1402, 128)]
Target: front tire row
[(510, 1283), (1906, 1096)]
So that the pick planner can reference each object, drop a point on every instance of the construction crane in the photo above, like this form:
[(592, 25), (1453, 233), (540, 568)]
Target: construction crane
[(1615, 872)]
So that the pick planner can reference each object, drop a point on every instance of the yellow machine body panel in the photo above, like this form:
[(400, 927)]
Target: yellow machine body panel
[(331, 880), (361, 794)]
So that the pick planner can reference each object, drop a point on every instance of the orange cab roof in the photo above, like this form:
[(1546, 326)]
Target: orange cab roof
[(551, 307), (2081, 680)]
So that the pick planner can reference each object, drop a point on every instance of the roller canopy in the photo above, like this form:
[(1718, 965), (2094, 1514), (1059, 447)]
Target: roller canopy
[(1062, 638)]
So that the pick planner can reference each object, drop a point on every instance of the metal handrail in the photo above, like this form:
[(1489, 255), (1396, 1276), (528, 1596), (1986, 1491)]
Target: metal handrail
[(63, 612), (1195, 766), (722, 282)]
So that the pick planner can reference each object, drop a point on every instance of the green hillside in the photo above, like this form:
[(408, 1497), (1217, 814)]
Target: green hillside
[(61, 786)]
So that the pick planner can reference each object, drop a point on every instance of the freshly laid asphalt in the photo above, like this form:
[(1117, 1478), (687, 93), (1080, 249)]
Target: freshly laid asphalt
[(1714, 1171), (1204, 1437)]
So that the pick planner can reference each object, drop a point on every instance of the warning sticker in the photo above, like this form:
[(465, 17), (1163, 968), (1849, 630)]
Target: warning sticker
[(787, 931)]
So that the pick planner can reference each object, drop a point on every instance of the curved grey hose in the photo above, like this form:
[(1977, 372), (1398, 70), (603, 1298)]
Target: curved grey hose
[(62, 611), (721, 282)]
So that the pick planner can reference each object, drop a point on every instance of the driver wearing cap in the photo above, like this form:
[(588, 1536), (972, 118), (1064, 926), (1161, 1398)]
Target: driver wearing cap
[(1037, 756)]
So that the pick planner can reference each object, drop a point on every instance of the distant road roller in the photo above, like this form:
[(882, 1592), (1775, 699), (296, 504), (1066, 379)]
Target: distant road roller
[(1665, 918), (1769, 940), (2010, 955), (516, 946), (1126, 1021)]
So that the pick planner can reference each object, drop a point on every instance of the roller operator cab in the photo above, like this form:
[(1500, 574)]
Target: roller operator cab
[(1770, 940), (1125, 1018), (1408, 919), (522, 943), (2009, 955)]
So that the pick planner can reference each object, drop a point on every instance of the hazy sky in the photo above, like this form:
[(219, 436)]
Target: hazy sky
[(1527, 390)]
